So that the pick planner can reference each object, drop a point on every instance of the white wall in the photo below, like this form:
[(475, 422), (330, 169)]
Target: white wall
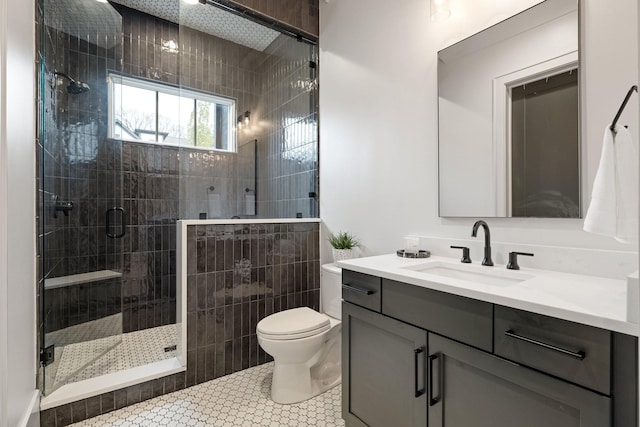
[(18, 394), (378, 109)]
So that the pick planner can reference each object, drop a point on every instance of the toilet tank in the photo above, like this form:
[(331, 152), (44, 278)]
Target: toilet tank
[(331, 290)]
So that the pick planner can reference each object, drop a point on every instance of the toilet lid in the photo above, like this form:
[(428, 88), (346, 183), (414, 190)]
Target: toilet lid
[(300, 322)]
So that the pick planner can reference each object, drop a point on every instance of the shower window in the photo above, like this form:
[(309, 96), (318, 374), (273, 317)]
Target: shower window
[(145, 111)]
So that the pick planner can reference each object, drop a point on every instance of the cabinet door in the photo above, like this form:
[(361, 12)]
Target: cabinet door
[(470, 388), (383, 370)]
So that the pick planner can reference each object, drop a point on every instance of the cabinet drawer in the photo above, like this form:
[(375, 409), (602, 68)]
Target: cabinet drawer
[(361, 289), (462, 319), (577, 353)]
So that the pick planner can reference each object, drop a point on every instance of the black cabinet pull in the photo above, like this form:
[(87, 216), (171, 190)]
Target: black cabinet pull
[(580, 355), (433, 400), (123, 224), (416, 354), (359, 290)]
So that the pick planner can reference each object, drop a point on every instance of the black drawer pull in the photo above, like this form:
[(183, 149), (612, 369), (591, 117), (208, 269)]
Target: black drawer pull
[(433, 400), (359, 290), (416, 353), (580, 355)]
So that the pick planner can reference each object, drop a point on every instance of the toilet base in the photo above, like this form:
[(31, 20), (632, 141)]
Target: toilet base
[(307, 368), (293, 383)]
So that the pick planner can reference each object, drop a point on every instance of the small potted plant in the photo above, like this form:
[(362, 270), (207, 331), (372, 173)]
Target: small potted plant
[(343, 245)]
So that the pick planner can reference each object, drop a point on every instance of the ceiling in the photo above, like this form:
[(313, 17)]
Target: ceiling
[(208, 19), (86, 19)]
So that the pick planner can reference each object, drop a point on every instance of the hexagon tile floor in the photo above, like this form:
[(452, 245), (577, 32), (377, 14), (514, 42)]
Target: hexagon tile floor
[(239, 399)]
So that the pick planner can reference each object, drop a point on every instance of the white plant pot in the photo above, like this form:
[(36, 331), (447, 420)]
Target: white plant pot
[(342, 254)]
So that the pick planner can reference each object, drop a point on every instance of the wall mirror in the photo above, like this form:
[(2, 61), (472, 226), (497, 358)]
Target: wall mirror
[(509, 133)]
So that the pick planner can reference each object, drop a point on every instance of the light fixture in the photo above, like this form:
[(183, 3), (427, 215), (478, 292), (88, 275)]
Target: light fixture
[(239, 124), (440, 10), (247, 116), (102, 1), (190, 1)]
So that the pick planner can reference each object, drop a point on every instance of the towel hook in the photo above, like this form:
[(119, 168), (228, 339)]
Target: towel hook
[(621, 109)]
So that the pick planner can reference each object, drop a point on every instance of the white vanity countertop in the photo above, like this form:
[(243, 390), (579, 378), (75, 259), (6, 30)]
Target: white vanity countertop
[(589, 300)]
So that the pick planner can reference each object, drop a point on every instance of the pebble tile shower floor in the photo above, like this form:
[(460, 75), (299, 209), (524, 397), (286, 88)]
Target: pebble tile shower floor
[(239, 399), (77, 345)]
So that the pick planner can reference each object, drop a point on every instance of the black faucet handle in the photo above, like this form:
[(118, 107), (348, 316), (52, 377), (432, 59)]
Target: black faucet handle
[(465, 254), (513, 259)]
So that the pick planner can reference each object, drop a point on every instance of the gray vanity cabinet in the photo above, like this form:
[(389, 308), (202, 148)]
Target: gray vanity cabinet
[(418, 357), (472, 388), (384, 376)]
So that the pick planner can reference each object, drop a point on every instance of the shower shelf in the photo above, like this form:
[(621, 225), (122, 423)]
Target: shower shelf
[(75, 279)]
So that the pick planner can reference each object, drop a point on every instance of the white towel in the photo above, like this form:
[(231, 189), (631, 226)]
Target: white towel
[(249, 204), (215, 207), (613, 210)]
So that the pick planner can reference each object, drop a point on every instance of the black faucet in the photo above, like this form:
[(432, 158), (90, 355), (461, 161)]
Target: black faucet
[(487, 241)]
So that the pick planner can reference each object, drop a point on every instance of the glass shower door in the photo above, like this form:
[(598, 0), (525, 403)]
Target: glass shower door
[(82, 220)]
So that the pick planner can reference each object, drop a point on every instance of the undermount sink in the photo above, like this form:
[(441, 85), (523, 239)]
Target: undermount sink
[(471, 273)]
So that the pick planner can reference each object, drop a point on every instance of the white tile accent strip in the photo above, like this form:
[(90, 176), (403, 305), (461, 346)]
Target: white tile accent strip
[(239, 399)]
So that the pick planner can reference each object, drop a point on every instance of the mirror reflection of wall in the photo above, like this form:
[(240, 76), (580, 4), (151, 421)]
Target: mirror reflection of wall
[(489, 165), (544, 143)]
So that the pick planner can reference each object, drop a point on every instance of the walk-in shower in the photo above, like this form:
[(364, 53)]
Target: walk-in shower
[(142, 107)]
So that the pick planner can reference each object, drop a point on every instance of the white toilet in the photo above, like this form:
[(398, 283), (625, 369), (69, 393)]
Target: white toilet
[(305, 345)]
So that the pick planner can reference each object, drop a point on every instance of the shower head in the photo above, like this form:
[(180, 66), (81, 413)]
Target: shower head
[(75, 86)]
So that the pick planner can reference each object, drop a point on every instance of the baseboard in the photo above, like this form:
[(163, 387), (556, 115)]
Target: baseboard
[(31, 418)]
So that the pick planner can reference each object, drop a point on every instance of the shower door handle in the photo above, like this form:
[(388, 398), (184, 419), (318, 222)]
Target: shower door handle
[(123, 224)]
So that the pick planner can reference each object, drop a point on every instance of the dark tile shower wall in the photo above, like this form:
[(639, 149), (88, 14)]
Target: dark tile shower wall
[(150, 176), (288, 181), (79, 164), (75, 164), (73, 305), (237, 275), (86, 169), (162, 184), (278, 86)]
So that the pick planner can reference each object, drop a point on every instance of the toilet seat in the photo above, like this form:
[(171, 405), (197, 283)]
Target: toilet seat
[(293, 324)]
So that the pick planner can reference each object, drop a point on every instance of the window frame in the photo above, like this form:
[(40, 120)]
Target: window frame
[(169, 89)]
